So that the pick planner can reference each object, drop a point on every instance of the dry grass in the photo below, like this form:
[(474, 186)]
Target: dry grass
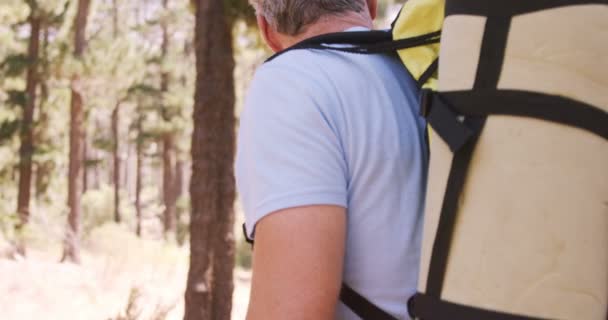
[(121, 278)]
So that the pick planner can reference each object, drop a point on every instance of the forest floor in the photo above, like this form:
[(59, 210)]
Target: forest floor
[(120, 278)]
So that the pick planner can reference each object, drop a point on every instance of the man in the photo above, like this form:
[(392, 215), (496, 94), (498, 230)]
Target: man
[(330, 168)]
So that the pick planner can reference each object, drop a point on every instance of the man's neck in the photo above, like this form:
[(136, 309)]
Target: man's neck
[(330, 24)]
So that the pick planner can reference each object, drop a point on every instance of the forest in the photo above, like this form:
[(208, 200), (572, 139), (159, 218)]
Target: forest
[(117, 138)]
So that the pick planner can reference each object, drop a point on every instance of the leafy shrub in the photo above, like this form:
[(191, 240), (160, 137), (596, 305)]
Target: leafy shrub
[(121, 244), (98, 209)]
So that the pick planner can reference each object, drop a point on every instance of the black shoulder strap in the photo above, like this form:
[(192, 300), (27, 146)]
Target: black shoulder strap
[(361, 42), (361, 306), (246, 236)]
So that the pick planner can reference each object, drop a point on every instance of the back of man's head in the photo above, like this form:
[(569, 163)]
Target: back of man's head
[(290, 17)]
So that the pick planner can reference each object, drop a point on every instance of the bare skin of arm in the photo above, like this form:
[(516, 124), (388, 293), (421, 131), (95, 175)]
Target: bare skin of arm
[(297, 264)]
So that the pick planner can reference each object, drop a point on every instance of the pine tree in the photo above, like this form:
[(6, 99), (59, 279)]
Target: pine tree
[(212, 190), (116, 131), (71, 247), (168, 152), (27, 144)]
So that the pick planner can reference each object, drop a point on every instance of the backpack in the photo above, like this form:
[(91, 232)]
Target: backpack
[(516, 215)]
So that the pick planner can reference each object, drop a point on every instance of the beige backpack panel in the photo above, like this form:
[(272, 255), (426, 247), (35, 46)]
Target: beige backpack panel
[(531, 236)]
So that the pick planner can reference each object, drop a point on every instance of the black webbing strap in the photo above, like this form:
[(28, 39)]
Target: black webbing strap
[(536, 105), (430, 308), (488, 72), (428, 73), (247, 239), (492, 53), (361, 37), (449, 209), (362, 42), (361, 306), (509, 8)]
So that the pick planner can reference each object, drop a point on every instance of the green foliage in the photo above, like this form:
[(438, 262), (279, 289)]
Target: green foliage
[(8, 128), (240, 10), (121, 65), (98, 209), (142, 90), (16, 98), (8, 223), (15, 65), (120, 243), (103, 143)]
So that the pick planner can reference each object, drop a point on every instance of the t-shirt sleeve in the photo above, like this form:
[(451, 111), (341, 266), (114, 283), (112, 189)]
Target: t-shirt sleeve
[(289, 153)]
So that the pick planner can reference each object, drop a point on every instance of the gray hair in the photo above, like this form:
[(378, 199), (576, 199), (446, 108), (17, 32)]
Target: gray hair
[(291, 16)]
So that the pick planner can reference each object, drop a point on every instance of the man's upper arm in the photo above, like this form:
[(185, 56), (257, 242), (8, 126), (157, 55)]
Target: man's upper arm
[(292, 179), (297, 263), (289, 152)]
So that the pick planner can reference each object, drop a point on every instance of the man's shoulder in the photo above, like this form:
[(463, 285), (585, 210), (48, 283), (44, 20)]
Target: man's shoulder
[(317, 60), (329, 70), (326, 81)]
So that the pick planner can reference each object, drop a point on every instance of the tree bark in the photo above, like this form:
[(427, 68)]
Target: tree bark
[(117, 161), (71, 247), (85, 157), (138, 178), (223, 264), (169, 187), (179, 191), (169, 198), (179, 178), (116, 173), (27, 144), (212, 190), (115, 18), (43, 169)]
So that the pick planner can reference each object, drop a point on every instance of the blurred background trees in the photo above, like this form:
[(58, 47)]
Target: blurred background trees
[(117, 129)]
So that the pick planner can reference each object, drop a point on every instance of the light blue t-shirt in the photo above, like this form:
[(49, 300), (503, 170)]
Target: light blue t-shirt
[(331, 128)]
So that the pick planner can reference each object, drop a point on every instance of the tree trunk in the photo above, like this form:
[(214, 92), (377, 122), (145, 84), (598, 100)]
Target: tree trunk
[(116, 173), (127, 170), (85, 157), (179, 191), (169, 198), (43, 169), (115, 18), (138, 178), (27, 144), (169, 192), (179, 178), (117, 163), (209, 288), (71, 248), (223, 262)]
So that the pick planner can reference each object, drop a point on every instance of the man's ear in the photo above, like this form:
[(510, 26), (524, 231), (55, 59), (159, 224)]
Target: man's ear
[(373, 8), (269, 34)]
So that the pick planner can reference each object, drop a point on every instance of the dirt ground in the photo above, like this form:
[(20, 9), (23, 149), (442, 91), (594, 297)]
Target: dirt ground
[(41, 288)]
